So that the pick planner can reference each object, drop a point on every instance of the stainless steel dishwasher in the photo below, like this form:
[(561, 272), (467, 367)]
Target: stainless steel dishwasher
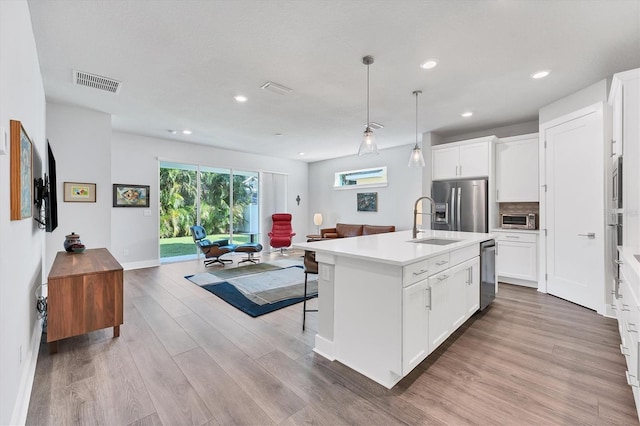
[(487, 273)]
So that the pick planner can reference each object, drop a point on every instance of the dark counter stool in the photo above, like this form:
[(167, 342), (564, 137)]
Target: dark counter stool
[(251, 249)]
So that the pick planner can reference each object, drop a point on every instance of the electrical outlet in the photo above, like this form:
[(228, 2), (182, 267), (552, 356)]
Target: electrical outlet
[(126, 252)]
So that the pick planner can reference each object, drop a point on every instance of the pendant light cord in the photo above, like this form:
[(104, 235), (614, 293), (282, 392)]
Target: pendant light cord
[(416, 92), (367, 129)]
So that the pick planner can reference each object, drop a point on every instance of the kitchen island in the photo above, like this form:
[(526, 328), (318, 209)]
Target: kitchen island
[(386, 301)]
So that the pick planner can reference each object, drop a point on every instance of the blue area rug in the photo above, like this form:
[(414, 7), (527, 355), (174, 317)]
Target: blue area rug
[(256, 292)]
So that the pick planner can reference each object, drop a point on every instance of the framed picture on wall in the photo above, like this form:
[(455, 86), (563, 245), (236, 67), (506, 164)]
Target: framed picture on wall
[(125, 195), (77, 192), (21, 181), (367, 201)]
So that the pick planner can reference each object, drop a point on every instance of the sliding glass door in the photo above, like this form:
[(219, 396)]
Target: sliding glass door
[(223, 201)]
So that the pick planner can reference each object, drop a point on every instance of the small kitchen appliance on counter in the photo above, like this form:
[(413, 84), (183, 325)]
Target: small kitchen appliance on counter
[(518, 221)]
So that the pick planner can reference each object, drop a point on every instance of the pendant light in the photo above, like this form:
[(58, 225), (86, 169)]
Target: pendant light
[(368, 145), (416, 159)]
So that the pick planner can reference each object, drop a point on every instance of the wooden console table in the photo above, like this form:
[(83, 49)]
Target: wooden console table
[(84, 294)]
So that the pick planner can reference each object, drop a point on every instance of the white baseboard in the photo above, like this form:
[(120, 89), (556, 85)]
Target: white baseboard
[(140, 265), (21, 408)]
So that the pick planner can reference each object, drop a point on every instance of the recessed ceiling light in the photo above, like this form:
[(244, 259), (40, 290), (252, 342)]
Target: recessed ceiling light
[(467, 114), (173, 132), (240, 98), (540, 74), (301, 153), (186, 132), (429, 64)]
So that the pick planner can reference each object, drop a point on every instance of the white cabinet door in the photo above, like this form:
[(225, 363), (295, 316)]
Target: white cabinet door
[(458, 294), (517, 169), (517, 260), (415, 326), (445, 163), (474, 160), (616, 102), (473, 287), (517, 255), (440, 312)]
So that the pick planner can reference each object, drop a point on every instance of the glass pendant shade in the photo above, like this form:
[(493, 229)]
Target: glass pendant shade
[(416, 159), (368, 145)]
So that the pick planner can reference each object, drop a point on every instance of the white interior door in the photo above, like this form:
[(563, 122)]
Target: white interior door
[(575, 210)]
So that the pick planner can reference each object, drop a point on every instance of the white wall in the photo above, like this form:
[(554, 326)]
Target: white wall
[(395, 201), (21, 242), (81, 143), (588, 96), (500, 132), (135, 161)]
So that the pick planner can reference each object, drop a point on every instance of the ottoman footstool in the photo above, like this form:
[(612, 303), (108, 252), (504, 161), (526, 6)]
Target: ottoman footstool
[(251, 249)]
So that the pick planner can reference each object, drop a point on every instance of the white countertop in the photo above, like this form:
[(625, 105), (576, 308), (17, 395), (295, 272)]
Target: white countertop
[(395, 248), (628, 257)]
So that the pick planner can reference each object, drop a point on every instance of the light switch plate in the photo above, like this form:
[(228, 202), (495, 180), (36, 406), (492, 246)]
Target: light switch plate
[(4, 142)]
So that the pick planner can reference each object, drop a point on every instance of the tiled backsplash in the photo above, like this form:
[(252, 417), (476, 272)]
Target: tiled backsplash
[(512, 208)]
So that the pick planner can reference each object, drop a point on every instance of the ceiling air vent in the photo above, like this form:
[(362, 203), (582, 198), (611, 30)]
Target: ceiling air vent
[(96, 81), (276, 88)]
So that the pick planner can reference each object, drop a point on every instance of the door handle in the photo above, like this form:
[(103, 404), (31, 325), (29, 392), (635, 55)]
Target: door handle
[(590, 235), (459, 202)]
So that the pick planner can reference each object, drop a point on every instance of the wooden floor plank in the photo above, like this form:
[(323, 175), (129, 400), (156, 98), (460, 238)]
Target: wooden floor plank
[(269, 393), (530, 358), (228, 403)]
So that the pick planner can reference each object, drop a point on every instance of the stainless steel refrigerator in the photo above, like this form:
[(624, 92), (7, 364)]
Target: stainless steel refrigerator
[(461, 205)]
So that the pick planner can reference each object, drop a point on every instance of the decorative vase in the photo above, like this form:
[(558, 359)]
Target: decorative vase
[(72, 243)]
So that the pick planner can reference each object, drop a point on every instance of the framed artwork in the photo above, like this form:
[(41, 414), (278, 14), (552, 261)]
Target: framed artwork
[(79, 192), (21, 187), (130, 195), (367, 201)]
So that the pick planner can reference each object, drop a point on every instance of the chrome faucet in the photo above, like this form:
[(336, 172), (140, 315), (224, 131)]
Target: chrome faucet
[(415, 213)]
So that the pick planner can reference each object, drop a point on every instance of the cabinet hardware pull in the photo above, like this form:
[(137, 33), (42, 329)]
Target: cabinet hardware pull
[(613, 307), (469, 276), (429, 290), (631, 380), (442, 278), (421, 271), (442, 262), (512, 236), (631, 327), (625, 307), (618, 262)]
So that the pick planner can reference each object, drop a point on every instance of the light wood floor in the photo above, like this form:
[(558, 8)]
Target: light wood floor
[(185, 357)]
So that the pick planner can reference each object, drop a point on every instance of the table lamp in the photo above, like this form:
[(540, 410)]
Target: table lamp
[(317, 220)]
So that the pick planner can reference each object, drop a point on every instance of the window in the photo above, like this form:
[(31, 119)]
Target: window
[(364, 178)]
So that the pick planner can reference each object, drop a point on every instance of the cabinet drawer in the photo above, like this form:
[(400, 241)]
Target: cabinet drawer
[(464, 254), (516, 237), (423, 269)]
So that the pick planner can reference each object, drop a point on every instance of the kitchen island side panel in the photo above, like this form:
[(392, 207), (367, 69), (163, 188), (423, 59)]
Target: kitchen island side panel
[(368, 318)]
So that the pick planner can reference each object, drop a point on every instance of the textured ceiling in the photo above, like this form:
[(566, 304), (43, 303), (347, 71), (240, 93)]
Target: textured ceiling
[(182, 62)]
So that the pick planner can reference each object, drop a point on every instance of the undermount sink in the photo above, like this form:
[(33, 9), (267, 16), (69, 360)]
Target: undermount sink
[(435, 241)]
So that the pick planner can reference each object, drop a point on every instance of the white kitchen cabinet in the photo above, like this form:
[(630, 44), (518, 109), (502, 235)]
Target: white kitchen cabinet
[(627, 307), (517, 257), (624, 99), (440, 323), (464, 159), (415, 321), (517, 169), (454, 293), (472, 287)]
